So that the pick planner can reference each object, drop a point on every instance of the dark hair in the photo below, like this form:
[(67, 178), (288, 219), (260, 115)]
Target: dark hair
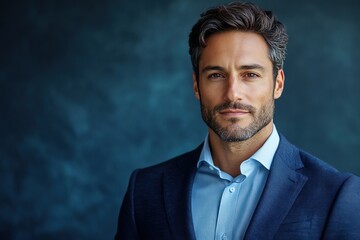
[(243, 17)]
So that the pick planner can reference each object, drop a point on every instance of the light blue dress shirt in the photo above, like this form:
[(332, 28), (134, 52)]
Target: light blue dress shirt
[(222, 206)]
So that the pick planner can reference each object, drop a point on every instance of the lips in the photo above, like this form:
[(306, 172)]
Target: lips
[(234, 112)]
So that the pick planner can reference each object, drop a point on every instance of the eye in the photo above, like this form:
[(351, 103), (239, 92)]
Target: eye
[(215, 76), (251, 75)]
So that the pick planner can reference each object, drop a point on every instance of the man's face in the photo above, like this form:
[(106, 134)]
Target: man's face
[(236, 85)]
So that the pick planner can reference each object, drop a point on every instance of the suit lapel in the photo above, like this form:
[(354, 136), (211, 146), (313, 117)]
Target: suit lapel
[(282, 188), (178, 181)]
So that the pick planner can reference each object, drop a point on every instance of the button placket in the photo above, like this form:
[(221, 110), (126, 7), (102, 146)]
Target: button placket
[(226, 220)]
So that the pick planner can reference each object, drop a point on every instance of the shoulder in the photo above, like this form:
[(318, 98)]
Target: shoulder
[(329, 197), (343, 221), (314, 164), (308, 164), (322, 179)]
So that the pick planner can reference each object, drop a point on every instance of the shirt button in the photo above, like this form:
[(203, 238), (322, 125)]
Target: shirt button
[(211, 168), (232, 189), (224, 237)]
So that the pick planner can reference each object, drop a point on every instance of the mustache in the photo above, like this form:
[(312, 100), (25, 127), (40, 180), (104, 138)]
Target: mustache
[(234, 105)]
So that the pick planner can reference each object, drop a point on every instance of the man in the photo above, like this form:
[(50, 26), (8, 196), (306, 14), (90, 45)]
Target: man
[(246, 181)]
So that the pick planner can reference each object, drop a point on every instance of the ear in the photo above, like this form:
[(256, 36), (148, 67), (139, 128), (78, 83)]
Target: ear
[(196, 87), (279, 84)]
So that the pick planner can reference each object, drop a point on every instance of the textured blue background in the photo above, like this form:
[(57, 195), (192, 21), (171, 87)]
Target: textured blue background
[(91, 90)]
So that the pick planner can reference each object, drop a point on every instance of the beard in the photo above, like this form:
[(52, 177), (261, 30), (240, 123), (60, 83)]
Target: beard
[(234, 133)]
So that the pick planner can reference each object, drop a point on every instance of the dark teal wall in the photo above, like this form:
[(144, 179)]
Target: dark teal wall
[(91, 90)]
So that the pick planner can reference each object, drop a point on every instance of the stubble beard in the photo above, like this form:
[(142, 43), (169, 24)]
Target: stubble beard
[(234, 133)]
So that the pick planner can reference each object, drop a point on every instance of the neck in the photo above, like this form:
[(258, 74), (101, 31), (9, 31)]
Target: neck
[(229, 155)]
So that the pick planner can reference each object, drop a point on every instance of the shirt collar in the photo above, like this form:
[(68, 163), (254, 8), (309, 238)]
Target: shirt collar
[(266, 153), (263, 155)]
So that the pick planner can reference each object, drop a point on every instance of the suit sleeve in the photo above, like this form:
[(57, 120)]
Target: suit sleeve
[(126, 228), (344, 219)]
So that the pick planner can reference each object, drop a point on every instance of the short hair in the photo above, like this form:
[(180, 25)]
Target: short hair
[(240, 16)]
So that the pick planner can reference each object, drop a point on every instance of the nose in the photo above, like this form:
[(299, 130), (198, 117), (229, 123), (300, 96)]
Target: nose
[(234, 89)]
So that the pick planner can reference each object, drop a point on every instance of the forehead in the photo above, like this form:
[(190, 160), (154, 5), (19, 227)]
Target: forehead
[(235, 47)]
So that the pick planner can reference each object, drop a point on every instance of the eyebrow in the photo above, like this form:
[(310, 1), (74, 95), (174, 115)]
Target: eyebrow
[(242, 67), (252, 66)]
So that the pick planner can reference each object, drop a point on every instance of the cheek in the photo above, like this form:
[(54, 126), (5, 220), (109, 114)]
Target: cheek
[(206, 100), (210, 94), (261, 95)]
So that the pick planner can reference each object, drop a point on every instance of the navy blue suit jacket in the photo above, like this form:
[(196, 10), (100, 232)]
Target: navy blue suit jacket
[(304, 198)]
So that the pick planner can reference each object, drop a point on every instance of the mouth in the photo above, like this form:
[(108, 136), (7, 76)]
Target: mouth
[(234, 112)]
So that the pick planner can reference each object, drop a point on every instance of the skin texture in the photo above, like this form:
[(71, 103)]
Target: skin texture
[(236, 90)]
